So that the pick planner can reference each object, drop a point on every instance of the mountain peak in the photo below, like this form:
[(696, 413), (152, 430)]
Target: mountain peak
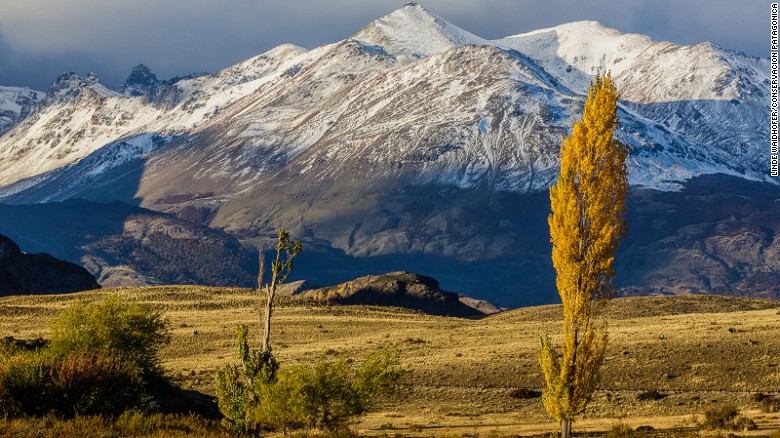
[(70, 85), (141, 71), (140, 81), (586, 24), (576, 51), (90, 79), (414, 32)]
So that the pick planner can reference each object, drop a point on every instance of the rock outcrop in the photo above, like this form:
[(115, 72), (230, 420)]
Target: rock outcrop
[(397, 289), (22, 273)]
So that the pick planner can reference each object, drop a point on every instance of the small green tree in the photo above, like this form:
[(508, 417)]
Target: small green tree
[(260, 396), (329, 394), (237, 390)]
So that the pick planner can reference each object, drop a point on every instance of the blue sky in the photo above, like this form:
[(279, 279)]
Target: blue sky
[(40, 39)]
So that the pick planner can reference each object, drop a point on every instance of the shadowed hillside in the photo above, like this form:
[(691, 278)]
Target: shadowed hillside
[(22, 273)]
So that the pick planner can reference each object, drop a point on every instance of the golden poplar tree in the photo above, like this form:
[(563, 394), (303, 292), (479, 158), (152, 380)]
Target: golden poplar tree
[(586, 225)]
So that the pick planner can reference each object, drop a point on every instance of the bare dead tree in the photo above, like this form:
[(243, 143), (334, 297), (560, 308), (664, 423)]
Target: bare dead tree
[(280, 270)]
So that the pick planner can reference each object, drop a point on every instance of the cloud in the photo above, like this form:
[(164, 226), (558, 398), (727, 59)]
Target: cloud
[(44, 38)]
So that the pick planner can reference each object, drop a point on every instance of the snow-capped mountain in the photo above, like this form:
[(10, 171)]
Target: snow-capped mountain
[(15, 104), (479, 105), (411, 136), (715, 100)]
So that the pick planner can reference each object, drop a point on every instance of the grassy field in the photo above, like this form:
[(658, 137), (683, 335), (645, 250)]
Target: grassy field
[(699, 352)]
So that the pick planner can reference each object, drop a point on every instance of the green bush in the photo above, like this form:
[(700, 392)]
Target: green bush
[(238, 389), (325, 395), (112, 327), (95, 364), (36, 383), (24, 378), (727, 417), (86, 384)]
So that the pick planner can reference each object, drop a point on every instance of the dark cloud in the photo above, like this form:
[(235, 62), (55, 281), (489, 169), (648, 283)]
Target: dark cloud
[(40, 39)]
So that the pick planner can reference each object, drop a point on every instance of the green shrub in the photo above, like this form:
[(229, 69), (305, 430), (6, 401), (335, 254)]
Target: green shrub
[(727, 417), (97, 363), (86, 384), (280, 405), (35, 383), (24, 379), (238, 390), (112, 327), (325, 395), (260, 366)]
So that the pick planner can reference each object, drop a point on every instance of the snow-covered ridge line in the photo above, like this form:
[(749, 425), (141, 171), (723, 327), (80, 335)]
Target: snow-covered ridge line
[(409, 97)]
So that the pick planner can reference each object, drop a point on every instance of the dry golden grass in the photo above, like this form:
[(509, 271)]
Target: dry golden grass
[(698, 351)]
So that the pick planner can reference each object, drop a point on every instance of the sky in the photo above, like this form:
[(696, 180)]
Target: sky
[(39, 39)]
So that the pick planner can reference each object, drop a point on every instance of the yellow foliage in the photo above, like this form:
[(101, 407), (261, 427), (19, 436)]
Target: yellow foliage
[(586, 225)]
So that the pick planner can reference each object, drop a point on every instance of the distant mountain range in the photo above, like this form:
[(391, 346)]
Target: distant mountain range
[(416, 145)]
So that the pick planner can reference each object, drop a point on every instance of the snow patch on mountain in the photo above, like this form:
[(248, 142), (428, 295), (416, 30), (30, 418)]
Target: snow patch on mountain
[(15, 104), (574, 52), (121, 152)]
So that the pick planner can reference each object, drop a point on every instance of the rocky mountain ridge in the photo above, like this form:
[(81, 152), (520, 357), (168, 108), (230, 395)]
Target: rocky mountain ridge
[(22, 273)]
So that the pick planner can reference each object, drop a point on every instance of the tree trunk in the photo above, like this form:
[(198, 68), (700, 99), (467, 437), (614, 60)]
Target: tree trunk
[(268, 308), (267, 315), (566, 428)]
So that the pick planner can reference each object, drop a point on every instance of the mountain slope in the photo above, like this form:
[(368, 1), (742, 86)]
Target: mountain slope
[(412, 137), (15, 104), (124, 245)]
